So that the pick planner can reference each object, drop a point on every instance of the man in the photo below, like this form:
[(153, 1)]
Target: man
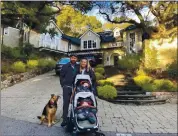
[(67, 77)]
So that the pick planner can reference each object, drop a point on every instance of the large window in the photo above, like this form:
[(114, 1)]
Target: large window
[(85, 44), (89, 44), (94, 44)]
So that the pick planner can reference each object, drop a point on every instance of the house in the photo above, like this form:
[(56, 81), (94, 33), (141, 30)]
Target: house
[(132, 39), (12, 36), (103, 47)]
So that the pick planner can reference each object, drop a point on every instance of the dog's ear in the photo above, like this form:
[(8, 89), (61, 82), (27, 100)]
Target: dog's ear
[(52, 95)]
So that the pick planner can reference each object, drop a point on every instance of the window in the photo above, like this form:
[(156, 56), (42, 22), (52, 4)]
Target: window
[(89, 44), (132, 40), (85, 44), (94, 44), (107, 58), (6, 31), (117, 33)]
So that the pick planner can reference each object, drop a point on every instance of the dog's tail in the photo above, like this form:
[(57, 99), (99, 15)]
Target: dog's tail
[(39, 117)]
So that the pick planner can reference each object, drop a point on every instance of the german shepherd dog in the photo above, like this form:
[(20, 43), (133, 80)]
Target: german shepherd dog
[(49, 111)]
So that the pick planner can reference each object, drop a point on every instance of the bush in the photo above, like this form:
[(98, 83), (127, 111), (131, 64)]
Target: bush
[(107, 91), (32, 64), (51, 63), (18, 67), (164, 84), (99, 76), (172, 70), (45, 63), (42, 63), (4, 69), (129, 62), (141, 72), (100, 66), (142, 80), (100, 70), (105, 82)]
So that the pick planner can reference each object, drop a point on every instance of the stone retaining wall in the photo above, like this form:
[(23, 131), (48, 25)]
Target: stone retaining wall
[(170, 96), (11, 80)]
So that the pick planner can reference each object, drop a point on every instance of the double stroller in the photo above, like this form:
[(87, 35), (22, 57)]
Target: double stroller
[(82, 114)]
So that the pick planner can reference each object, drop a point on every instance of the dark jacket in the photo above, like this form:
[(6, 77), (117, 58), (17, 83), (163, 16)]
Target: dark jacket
[(68, 74)]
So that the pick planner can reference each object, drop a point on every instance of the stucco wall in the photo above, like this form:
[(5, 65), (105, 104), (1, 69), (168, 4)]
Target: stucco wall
[(92, 36), (12, 37), (138, 39), (34, 38)]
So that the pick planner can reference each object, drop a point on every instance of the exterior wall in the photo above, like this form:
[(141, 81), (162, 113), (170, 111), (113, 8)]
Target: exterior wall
[(34, 38), (74, 47), (108, 56), (111, 44), (11, 36), (64, 45), (138, 40), (90, 36)]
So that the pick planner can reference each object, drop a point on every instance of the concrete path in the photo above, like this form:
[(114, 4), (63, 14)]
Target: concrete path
[(21, 103)]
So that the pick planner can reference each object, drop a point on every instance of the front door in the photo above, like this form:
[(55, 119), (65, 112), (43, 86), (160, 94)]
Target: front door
[(115, 60)]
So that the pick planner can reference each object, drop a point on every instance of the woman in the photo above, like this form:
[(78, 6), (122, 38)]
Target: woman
[(85, 68)]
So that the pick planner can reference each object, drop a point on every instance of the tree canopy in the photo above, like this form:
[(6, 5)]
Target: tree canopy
[(74, 23), (35, 13), (165, 13)]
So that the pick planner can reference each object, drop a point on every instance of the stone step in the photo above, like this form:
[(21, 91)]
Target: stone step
[(130, 92), (139, 102), (133, 97)]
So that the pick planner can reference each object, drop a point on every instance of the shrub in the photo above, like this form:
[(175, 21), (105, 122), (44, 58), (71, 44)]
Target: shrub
[(164, 84), (141, 72), (42, 63), (32, 64), (142, 80), (172, 70), (105, 82), (18, 67), (99, 76), (100, 66), (4, 69), (148, 87), (107, 91), (129, 62), (100, 70), (51, 63)]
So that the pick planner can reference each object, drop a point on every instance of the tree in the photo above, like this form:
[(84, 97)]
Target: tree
[(163, 12), (74, 23), (35, 13)]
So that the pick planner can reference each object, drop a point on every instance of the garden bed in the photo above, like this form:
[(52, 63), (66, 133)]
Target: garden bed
[(17, 78)]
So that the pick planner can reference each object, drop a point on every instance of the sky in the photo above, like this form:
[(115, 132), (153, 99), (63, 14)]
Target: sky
[(95, 12)]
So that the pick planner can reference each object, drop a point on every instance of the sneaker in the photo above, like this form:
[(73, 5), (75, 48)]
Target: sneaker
[(64, 123)]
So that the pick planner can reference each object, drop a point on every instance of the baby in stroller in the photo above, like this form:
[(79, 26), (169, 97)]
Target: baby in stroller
[(85, 107)]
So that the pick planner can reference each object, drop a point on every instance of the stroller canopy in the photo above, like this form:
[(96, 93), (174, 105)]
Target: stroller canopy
[(82, 77)]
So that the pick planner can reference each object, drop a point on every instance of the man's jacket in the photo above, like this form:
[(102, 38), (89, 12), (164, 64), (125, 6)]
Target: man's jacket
[(68, 74)]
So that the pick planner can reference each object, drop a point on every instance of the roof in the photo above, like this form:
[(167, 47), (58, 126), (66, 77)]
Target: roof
[(73, 40), (88, 31), (131, 27), (106, 36)]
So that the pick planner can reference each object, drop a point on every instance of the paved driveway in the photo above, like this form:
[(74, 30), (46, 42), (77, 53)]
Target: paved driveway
[(21, 103)]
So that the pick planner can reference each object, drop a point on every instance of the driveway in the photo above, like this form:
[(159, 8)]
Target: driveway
[(21, 103)]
